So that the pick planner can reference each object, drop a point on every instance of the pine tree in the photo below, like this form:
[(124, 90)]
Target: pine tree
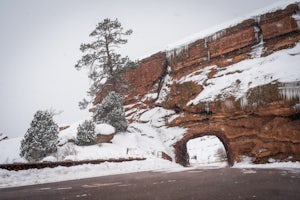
[(86, 133), (111, 111), (101, 57), (41, 138)]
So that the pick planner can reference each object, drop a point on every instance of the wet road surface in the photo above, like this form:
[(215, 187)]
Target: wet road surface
[(225, 183)]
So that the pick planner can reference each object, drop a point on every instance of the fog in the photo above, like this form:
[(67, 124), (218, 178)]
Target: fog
[(40, 42)]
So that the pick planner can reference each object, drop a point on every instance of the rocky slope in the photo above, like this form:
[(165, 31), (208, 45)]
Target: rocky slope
[(241, 84)]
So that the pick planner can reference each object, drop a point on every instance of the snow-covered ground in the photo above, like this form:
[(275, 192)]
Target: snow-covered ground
[(206, 150), (247, 163)]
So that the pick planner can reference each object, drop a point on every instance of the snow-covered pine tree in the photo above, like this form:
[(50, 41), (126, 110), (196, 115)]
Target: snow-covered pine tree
[(111, 111), (102, 59), (86, 133), (41, 138)]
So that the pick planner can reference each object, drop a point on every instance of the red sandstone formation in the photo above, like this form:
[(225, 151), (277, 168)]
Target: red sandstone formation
[(268, 126)]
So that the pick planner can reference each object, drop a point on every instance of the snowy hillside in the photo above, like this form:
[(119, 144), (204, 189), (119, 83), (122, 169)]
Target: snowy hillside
[(141, 140), (280, 67)]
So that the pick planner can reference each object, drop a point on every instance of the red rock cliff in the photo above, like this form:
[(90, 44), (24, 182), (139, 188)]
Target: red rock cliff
[(262, 123)]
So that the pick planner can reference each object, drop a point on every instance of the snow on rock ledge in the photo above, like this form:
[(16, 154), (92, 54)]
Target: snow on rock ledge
[(233, 81), (104, 129)]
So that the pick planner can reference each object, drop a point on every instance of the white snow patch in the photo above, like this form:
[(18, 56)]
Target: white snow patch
[(104, 129), (69, 134), (237, 79), (150, 96), (155, 140), (297, 18), (156, 116), (165, 89), (199, 76), (213, 165), (49, 159), (206, 150), (247, 163), (248, 171)]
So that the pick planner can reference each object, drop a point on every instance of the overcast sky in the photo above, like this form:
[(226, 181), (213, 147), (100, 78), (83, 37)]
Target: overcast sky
[(40, 39)]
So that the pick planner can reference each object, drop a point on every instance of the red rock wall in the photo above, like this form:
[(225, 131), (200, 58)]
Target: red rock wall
[(143, 78), (263, 131), (139, 80)]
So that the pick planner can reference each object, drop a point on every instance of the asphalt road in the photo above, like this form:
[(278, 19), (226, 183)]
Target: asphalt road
[(225, 183)]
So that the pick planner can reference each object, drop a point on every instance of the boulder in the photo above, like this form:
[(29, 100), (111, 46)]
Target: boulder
[(104, 133)]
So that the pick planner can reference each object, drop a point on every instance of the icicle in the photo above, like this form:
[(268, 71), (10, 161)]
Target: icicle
[(228, 104), (177, 51), (208, 55), (257, 50), (207, 107), (170, 54), (297, 107), (244, 101), (165, 89), (217, 35), (290, 91), (297, 18), (182, 49), (257, 19), (256, 32)]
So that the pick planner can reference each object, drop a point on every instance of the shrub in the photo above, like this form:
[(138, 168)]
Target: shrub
[(86, 133), (111, 111), (41, 138)]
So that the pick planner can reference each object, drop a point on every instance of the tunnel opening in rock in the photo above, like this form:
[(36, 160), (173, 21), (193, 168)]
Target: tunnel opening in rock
[(181, 153), (206, 151)]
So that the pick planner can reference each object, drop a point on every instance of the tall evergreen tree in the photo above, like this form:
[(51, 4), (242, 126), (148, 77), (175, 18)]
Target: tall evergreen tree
[(101, 57), (41, 138)]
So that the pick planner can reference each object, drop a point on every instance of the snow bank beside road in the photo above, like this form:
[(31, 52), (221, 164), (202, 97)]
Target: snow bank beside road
[(246, 163), (47, 175)]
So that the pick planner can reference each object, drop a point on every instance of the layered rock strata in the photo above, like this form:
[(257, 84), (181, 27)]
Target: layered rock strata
[(262, 123)]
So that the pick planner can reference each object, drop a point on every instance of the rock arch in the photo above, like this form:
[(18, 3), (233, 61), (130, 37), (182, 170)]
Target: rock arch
[(181, 154)]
